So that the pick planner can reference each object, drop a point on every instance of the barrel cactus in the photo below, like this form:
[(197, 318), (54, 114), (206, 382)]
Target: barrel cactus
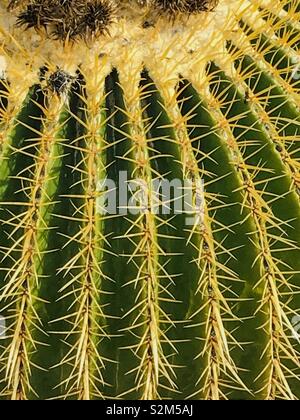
[(149, 199)]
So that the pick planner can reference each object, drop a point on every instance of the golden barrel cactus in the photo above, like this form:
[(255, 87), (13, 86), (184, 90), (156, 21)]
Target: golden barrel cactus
[(149, 199)]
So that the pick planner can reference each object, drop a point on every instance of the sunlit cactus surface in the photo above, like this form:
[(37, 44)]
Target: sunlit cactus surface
[(149, 199)]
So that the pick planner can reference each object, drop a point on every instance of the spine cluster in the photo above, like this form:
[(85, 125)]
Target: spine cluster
[(66, 19), (184, 6), (85, 19)]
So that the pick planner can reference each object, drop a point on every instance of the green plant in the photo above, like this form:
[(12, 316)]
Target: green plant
[(144, 305)]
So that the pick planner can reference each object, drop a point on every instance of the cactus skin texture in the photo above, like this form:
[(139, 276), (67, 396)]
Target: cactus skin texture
[(143, 306)]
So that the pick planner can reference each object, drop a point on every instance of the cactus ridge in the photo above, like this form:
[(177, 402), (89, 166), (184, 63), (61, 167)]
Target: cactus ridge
[(138, 303)]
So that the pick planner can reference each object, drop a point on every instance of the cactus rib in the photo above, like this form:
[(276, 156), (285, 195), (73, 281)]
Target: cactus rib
[(109, 288)]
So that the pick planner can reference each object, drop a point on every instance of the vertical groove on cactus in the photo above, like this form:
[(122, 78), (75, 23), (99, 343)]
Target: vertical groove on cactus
[(178, 286), (108, 287), (225, 216), (271, 229), (152, 275), (82, 272), (20, 248)]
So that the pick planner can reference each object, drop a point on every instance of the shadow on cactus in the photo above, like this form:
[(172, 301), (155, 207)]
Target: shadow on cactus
[(149, 199)]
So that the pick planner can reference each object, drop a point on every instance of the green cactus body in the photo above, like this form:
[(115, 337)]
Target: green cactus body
[(141, 300)]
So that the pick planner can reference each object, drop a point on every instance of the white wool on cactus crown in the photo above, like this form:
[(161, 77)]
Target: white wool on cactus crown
[(168, 48)]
